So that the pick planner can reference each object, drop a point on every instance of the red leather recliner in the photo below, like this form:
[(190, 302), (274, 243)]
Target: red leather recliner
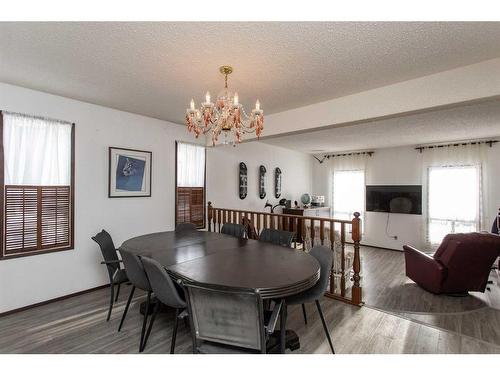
[(462, 263)]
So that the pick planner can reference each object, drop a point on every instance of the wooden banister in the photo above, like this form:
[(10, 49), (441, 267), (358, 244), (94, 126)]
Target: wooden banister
[(327, 232)]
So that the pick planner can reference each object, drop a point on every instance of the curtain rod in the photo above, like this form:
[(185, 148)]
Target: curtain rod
[(489, 143), (37, 117), (328, 156)]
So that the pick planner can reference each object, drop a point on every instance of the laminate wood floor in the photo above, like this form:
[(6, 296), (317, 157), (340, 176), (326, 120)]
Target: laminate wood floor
[(386, 287), (78, 325)]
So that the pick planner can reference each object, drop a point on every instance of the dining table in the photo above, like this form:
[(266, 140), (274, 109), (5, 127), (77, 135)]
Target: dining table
[(212, 258)]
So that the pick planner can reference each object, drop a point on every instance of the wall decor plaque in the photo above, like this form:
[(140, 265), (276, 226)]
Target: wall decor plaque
[(277, 182), (243, 181), (262, 182)]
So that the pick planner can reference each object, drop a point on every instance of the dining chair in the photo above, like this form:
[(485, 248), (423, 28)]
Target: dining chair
[(184, 227), (236, 230), (117, 275), (324, 256), (277, 237), (228, 320), (165, 291), (137, 276)]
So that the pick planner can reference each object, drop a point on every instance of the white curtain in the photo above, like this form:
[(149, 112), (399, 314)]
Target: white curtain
[(190, 165), (37, 151), (456, 173), (347, 184)]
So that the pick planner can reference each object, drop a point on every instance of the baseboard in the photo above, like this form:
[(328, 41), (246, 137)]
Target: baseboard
[(376, 247), (52, 300)]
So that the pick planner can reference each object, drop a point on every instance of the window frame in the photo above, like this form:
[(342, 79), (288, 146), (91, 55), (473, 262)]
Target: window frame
[(204, 185), (71, 245), (478, 222)]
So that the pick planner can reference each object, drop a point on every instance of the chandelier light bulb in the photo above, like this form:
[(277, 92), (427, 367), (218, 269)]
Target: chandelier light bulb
[(192, 104), (207, 97), (235, 99), (257, 105)]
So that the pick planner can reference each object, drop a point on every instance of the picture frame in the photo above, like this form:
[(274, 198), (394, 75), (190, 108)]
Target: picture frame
[(129, 173)]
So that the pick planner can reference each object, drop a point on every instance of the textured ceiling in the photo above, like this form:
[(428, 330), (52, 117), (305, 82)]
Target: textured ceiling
[(475, 121), (155, 68)]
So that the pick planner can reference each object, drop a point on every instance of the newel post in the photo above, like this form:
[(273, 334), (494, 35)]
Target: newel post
[(356, 238), (209, 216)]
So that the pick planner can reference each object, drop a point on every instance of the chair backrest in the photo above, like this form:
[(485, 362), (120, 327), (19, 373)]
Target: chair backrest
[(236, 230), (324, 256), (496, 224), (162, 285), (185, 227), (135, 270), (108, 249), (468, 258), (226, 316), (277, 237)]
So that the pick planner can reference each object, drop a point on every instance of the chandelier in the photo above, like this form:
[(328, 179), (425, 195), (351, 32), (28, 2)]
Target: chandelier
[(226, 116)]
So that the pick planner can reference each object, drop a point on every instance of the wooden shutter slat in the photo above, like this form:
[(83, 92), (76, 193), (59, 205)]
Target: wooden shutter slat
[(36, 218), (190, 205)]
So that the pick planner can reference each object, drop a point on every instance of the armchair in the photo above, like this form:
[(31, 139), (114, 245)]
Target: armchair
[(461, 264)]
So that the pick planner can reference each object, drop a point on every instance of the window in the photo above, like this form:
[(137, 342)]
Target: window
[(348, 193), (453, 201), (37, 188), (190, 184)]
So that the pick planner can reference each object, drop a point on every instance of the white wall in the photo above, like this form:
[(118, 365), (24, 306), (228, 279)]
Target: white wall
[(402, 166), (223, 171), (28, 280)]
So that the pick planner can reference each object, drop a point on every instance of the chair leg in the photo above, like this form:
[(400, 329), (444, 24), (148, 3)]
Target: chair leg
[(174, 333), (144, 322), (112, 292), (324, 325), (126, 307), (118, 292), (304, 313), (153, 317)]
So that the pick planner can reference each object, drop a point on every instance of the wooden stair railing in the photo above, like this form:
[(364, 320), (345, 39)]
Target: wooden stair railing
[(217, 217)]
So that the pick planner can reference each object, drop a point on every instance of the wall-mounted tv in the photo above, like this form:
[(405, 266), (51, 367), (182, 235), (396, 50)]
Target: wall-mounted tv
[(401, 199)]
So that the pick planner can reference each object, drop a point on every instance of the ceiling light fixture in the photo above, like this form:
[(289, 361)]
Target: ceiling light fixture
[(225, 116)]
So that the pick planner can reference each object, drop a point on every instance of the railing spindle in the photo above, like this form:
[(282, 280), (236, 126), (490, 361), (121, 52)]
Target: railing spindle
[(332, 247), (209, 216), (322, 231), (356, 238), (342, 260), (294, 230), (313, 233)]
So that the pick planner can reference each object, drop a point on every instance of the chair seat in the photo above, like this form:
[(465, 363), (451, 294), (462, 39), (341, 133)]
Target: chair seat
[(120, 277)]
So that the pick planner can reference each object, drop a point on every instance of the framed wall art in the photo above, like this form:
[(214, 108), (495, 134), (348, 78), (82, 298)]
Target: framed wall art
[(129, 173)]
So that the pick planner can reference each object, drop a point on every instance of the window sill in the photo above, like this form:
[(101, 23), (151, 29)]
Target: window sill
[(36, 252)]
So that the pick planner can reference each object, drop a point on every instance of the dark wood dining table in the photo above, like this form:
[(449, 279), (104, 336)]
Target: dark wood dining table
[(213, 258)]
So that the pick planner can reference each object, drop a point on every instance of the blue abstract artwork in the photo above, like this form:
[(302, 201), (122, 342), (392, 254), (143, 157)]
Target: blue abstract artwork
[(129, 173)]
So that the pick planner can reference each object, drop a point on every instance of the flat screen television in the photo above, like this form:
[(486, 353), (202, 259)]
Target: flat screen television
[(401, 199)]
